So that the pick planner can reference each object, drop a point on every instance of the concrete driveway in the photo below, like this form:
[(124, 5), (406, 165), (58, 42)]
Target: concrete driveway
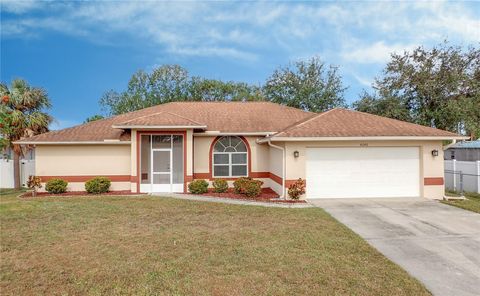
[(436, 243)]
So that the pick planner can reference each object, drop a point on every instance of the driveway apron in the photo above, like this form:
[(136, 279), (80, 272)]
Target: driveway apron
[(436, 243)]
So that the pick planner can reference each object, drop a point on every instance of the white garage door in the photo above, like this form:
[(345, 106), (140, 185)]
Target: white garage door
[(363, 172)]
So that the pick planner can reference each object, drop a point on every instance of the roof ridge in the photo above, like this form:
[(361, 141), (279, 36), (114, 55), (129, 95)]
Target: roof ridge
[(143, 116), (191, 120), (303, 121), (158, 113)]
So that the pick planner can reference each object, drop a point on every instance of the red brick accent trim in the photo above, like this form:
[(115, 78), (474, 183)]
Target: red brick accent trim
[(275, 178), (188, 178), (265, 175), (201, 176), (133, 179), (208, 176), (113, 178), (433, 181)]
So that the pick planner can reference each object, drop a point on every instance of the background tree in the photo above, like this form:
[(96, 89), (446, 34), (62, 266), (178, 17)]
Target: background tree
[(22, 115), (164, 84), (438, 87), (309, 85), (389, 107), (201, 89), (94, 118), (170, 83)]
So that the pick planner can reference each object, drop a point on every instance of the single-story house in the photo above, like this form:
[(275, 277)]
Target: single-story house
[(340, 153), (464, 151)]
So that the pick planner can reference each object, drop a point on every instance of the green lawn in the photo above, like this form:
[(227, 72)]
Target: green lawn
[(472, 203), (160, 246)]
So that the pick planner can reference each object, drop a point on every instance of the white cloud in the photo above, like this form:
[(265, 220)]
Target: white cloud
[(18, 6), (364, 32), (378, 52)]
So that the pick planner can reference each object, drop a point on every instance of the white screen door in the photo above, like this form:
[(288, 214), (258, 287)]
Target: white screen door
[(161, 163), (161, 170)]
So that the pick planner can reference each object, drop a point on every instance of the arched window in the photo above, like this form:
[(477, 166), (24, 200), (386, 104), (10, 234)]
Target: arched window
[(230, 158)]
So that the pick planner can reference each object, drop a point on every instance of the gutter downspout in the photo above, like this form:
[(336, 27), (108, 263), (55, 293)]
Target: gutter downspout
[(283, 166), (454, 141)]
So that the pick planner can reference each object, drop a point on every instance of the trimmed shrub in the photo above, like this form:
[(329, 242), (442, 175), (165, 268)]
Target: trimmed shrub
[(253, 188), (240, 184), (198, 186), (97, 185), (56, 186), (296, 189), (220, 185), (247, 186)]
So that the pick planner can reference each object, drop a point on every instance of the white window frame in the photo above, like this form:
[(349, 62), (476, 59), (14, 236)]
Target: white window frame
[(230, 164)]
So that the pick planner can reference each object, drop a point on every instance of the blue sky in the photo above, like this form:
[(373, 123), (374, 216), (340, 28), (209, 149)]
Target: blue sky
[(79, 50)]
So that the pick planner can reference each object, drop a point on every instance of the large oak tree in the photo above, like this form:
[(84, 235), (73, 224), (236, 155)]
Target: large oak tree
[(438, 87), (306, 84)]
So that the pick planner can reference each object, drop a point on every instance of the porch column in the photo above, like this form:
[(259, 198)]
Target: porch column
[(134, 179), (189, 158)]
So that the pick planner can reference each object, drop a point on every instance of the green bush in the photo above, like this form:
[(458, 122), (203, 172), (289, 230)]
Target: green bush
[(220, 185), (240, 184), (56, 186), (247, 186), (296, 189), (253, 188), (97, 185), (198, 186)]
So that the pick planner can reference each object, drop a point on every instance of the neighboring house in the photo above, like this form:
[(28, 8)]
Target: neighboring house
[(464, 151), (340, 153)]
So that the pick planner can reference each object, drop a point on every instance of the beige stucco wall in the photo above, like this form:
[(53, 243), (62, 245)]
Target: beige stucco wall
[(430, 166), (260, 155), (276, 166), (84, 160), (201, 154), (80, 160)]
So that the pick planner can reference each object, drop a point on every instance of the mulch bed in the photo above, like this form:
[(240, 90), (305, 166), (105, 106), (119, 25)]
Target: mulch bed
[(267, 195), (77, 193)]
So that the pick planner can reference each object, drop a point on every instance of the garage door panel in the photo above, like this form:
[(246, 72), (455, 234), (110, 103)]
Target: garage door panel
[(362, 172)]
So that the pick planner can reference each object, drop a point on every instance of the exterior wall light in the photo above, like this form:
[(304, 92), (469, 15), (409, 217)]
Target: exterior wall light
[(296, 154), (434, 152)]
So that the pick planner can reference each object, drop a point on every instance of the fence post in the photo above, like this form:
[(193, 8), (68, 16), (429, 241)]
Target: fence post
[(454, 165)]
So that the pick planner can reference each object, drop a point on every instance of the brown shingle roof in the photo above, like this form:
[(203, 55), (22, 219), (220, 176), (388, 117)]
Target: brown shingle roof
[(160, 119), (217, 116), (347, 123)]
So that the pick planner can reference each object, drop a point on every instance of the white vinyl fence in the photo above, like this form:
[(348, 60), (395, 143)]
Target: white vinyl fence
[(462, 175), (27, 168)]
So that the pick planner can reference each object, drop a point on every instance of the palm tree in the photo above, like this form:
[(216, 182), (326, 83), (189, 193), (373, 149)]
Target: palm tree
[(22, 116)]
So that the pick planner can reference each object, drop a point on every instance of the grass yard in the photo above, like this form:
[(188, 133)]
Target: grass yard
[(472, 203), (159, 246)]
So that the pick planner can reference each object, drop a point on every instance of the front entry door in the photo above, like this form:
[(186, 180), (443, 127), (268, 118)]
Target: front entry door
[(161, 170)]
